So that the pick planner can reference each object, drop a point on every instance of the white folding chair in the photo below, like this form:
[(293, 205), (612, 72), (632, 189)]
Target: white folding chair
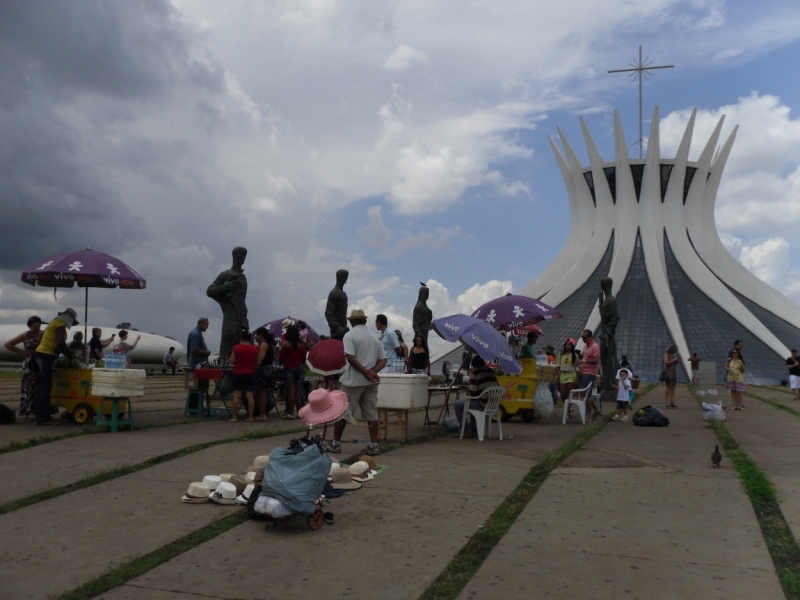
[(578, 398), (492, 397)]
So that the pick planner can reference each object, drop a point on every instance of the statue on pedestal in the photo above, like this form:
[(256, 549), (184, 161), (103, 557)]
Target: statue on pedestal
[(609, 318), (336, 309), (422, 314), (230, 291)]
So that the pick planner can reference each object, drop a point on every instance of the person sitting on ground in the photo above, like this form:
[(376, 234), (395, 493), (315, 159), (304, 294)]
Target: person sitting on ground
[(623, 388), (124, 348), (96, 345), (695, 361), (243, 358), (793, 364), (480, 378), (170, 360), (527, 348)]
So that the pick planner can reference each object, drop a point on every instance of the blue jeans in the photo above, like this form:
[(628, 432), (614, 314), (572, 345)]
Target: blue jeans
[(554, 393), (297, 376), (459, 406), (46, 364)]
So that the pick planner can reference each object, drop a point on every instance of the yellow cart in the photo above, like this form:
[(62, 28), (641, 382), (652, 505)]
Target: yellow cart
[(521, 389), (72, 389)]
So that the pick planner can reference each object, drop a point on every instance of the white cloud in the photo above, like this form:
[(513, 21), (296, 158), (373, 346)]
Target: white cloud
[(427, 240), (376, 234), (769, 261), (403, 57)]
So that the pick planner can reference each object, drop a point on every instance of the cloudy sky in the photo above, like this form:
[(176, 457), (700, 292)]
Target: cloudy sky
[(405, 141)]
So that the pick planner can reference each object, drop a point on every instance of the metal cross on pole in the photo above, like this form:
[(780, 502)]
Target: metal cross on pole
[(639, 70)]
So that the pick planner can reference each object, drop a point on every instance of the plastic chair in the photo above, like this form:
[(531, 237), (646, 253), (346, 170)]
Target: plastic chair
[(492, 397), (578, 398)]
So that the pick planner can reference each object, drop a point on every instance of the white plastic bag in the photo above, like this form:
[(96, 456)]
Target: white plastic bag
[(271, 507), (714, 412), (542, 401)]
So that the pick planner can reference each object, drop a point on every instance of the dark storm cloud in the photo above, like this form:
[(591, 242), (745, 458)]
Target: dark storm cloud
[(67, 71)]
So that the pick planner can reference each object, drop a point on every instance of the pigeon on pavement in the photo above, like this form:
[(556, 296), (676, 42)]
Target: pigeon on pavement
[(716, 457)]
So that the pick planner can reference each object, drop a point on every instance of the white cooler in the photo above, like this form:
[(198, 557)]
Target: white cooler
[(402, 391)]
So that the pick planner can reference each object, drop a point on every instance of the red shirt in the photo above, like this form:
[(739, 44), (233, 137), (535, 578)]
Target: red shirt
[(592, 351), (292, 357), (246, 355)]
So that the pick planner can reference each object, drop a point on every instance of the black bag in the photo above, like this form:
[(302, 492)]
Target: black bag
[(251, 505), (650, 416), (7, 416), (264, 377), (663, 376)]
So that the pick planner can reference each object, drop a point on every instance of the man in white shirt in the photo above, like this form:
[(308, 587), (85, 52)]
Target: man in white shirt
[(169, 359), (365, 359)]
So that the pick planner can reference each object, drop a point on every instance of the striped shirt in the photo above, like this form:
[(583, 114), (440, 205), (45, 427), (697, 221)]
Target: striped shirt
[(480, 379)]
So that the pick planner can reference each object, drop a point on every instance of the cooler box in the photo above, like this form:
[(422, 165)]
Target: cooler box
[(402, 392), (118, 383), (190, 382)]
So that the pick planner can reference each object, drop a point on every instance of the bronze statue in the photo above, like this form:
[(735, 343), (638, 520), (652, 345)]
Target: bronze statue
[(230, 291), (609, 318), (336, 309), (422, 314)]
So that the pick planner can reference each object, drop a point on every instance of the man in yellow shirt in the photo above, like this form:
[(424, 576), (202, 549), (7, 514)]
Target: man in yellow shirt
[(53, 343)]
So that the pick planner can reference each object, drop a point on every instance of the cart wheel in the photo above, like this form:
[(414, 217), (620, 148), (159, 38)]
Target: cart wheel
[(82, 413), (504, 416), (316, 520), (527, 416)]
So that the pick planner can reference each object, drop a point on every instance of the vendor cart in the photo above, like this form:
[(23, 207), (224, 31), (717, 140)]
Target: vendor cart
[(522, 388), (72, 389)]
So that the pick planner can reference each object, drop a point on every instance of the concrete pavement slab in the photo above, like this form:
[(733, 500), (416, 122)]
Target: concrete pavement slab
[(390, 539), (636, 497)]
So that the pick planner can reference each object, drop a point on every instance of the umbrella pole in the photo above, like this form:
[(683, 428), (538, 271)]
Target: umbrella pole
[(447, 396), (85, 324)]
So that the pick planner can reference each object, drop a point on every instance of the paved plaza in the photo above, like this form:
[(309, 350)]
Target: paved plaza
[(635, 512)]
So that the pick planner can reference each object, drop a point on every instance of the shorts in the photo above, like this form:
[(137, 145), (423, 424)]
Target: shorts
[(586, 380), (695, 374), (244, 382), (334, 377), (794, 381), (295, 375), (365, 396), (622, 405)]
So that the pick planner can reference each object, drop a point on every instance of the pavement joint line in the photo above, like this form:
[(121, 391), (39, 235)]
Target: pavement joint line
[(110, 474), (778, 536), (142, 564), (774, 403), (458, 572)]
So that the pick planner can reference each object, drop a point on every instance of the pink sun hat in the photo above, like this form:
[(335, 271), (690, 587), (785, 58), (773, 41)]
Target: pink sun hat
[(323, 407)]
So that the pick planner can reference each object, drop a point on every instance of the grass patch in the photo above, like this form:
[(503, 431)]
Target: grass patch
[(128, 469), (38, 440), (781, 543), (452, 580), (11, 375), (143, 564), (771, 402)]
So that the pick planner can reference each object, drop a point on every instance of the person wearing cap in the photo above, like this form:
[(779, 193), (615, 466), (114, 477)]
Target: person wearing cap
[(53, 342), (170, 360), (365, 358)]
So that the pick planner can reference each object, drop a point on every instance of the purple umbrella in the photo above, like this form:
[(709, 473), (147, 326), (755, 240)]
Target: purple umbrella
[(276, 328), (480, 337), (86, 268), (510, 311)]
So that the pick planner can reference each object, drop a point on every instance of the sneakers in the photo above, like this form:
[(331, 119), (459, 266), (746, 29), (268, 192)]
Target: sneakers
[(334, 447), (616, 418), (373, 450), (625, 418)]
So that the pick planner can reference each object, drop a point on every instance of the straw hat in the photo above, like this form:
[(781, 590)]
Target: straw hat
[(356, 315), (261, 461), (286, 322), (323, 407), (341, 479), (360, 471), (239, 482), (370, 462), (226, 476), (196, 494), (224, 494), (244, 497), (212, 481)]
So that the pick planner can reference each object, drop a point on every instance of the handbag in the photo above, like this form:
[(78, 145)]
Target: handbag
[(264, 377), (663, 376)]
